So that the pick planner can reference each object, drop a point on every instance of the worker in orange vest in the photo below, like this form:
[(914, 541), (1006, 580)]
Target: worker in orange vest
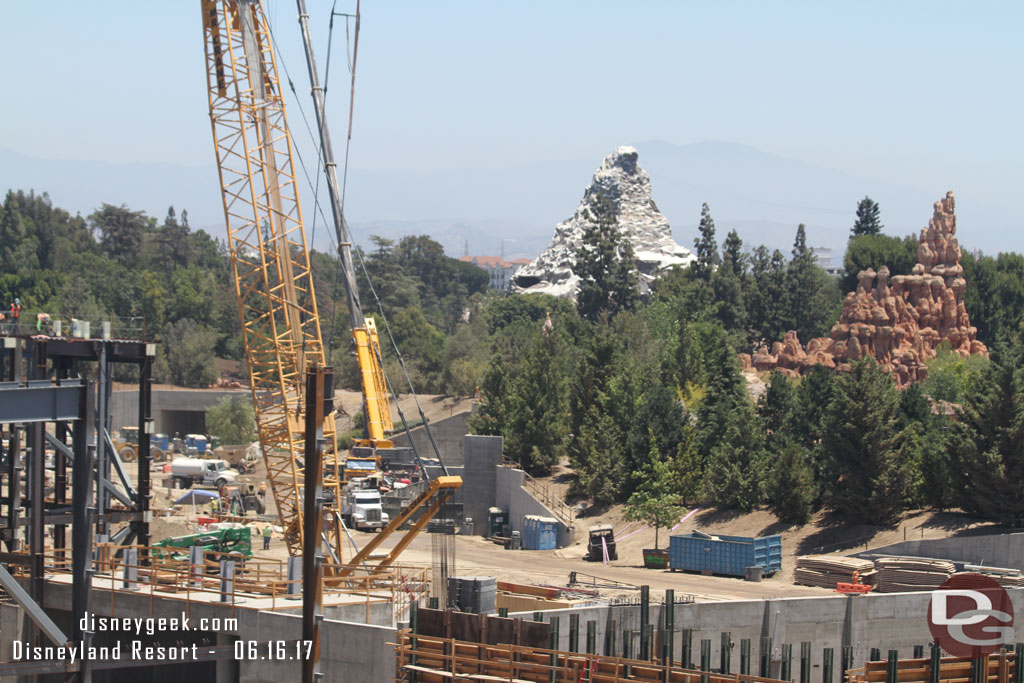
[(262, 491), (15, 315)]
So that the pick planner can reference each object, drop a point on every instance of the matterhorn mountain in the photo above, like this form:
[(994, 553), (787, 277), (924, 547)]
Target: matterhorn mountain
[(628, 187)]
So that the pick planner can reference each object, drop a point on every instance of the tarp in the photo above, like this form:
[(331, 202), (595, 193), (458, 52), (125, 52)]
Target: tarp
[(198, 497)]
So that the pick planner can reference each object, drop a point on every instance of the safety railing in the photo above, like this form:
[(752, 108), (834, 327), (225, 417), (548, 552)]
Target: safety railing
[(258, 582)]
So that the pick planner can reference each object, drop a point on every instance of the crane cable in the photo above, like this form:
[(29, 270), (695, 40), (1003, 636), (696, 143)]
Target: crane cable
[(362, 263)]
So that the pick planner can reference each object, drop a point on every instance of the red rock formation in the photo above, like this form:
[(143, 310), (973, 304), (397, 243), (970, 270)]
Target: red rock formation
[(899, 320)]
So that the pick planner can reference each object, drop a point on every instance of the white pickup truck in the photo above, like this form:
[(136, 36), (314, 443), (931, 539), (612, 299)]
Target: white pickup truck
[(189, 471), (361, 508)]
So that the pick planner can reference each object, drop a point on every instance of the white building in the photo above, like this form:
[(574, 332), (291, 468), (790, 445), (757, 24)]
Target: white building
[(500, 270)]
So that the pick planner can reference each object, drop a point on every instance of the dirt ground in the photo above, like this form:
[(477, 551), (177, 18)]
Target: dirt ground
[(477, 556)]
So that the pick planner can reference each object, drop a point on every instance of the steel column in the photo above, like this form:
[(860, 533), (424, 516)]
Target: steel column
[(312, 586)]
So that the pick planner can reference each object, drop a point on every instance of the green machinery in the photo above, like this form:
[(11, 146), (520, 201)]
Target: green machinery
[(231, 540)]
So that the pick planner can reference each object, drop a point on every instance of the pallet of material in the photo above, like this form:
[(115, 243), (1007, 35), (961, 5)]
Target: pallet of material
[(902, 574), (825, 571)]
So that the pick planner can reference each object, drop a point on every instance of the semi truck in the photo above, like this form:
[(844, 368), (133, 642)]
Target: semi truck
[(361, 508)]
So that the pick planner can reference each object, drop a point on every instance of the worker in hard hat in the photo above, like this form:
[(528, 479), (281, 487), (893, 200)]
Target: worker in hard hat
[(262, 490), (267, 531)]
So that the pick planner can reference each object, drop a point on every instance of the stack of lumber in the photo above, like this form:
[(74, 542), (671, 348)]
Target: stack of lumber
[(1007, 578), (901, 574), (825, 571)]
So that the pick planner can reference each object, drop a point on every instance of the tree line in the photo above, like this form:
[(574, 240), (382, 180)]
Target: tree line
[(646, 399)]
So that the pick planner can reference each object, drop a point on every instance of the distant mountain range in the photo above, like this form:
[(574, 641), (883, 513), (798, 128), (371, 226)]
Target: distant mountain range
[(762, 196)]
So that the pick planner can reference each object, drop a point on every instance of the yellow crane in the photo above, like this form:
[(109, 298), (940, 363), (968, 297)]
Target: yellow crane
[(271, 268)]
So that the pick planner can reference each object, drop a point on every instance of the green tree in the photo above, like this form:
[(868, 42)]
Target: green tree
[(175, 243), (987, 439), (775, 407), (121, 231), (596, 452), (875, 251), (655, 502), (791, 487), (767, 300), (186, 355), (706, 246), (605, 265), (232, 419), (812, 296), (865, 479), (868, 218)]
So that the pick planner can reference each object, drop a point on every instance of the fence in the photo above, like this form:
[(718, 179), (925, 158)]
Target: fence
[(160, 575), (65, 325)]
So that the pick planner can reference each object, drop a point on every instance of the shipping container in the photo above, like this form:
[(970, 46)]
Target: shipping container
[(729, 555)]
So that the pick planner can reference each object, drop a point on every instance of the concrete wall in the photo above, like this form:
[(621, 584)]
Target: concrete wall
[(172, 409), (349, 651), (993, 550), (482, 460), (510, 495), (448, 434), (889, 621)]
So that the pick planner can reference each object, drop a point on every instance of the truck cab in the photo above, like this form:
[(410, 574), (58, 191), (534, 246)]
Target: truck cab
[(362, 509)]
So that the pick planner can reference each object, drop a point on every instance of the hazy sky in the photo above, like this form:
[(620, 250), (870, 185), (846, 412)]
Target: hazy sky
[(927, 94)]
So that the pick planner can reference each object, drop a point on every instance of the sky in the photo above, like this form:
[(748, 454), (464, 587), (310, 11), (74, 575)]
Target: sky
[(922, 94)]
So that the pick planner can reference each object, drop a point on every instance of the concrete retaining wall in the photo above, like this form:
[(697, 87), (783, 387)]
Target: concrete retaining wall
[(993, 550), (349, 651), (890, 621), (180, 410), (482, 460), (510, 495), (448, 434)]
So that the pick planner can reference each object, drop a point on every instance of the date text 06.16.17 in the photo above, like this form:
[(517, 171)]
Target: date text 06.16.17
[(254, 650)]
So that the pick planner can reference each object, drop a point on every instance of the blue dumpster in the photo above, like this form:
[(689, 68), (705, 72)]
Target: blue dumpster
[(728, 555)]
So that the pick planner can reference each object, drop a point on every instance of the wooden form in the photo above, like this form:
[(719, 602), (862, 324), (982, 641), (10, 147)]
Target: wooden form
[(1000, 667), (431, 659)]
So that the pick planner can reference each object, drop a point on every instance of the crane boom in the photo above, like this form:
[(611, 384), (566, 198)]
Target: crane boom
[(267, 241)]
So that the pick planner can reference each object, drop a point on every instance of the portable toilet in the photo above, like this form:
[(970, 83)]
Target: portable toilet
[(547, 533), (497, 520)]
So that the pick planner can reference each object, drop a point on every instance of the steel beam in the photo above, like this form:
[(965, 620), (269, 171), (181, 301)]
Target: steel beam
[(32, 608), (312, 584), (140, 528), (39, 401)]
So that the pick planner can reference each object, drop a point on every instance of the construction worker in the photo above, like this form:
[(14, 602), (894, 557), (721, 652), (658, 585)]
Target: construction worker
[(262, 490), (15, 315), (267, 531)]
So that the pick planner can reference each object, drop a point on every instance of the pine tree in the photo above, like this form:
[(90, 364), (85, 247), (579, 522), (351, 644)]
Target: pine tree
[(791, 488), (776, 407), (732, 254), (706, 246), (865, 478), (811, 295), (734, 476), (597, 455), (987, 439), (605, 265), (538, 426), (868, 221)]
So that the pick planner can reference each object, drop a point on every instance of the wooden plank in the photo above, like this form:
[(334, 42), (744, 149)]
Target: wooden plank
[(526, 589)]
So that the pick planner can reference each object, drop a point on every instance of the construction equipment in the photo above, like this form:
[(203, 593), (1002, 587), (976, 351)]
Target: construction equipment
[(127, 446), (241, 499), (189, 471), (271, 268), (235, 539), (602, 537)]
